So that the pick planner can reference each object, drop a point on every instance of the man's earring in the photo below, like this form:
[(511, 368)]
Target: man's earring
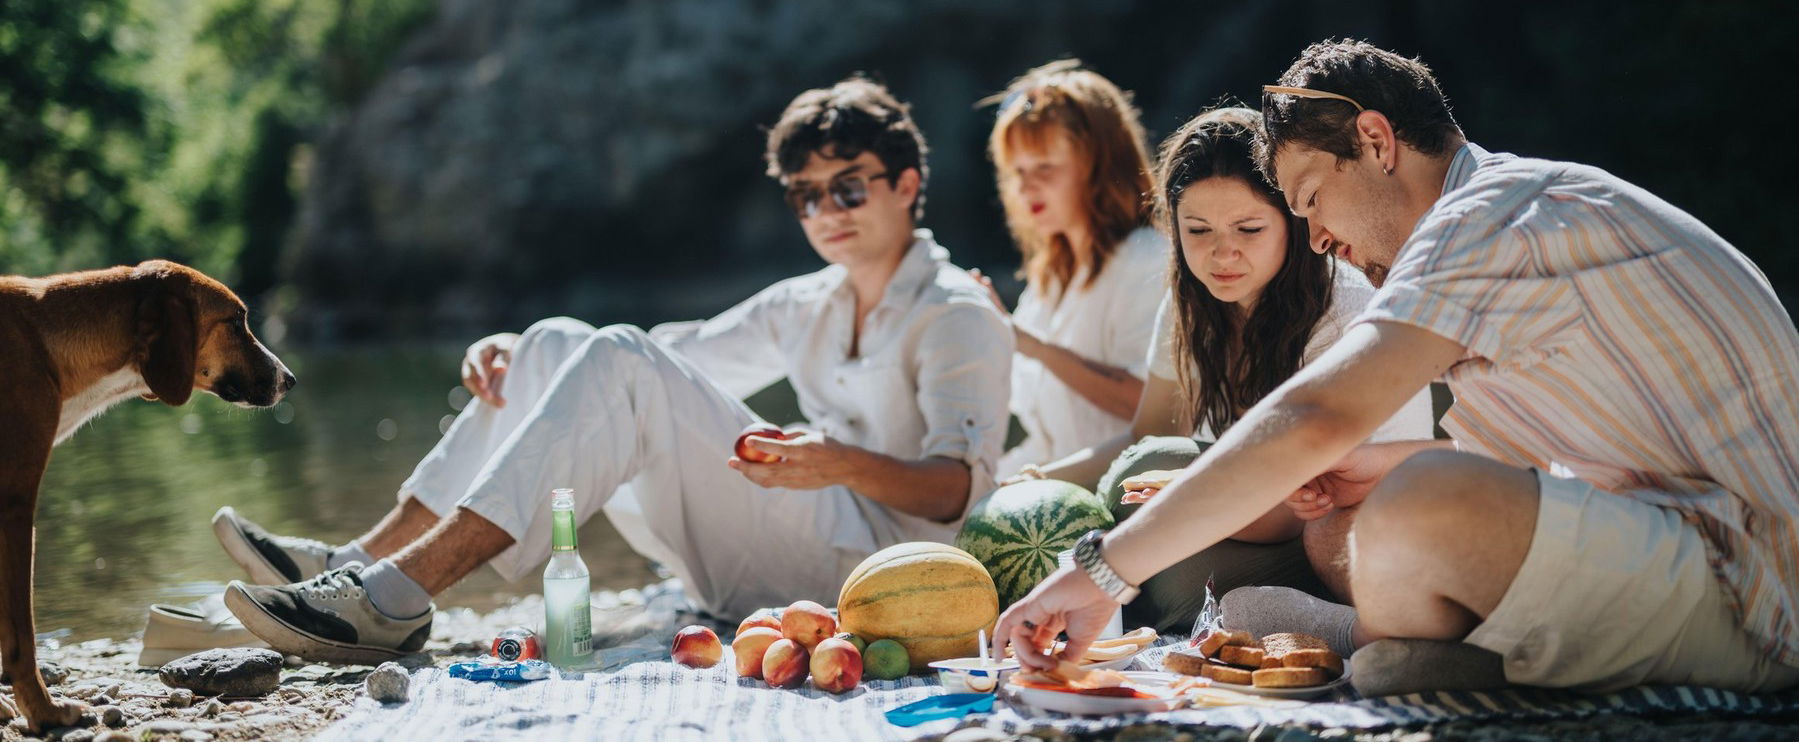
[(1388, 169)]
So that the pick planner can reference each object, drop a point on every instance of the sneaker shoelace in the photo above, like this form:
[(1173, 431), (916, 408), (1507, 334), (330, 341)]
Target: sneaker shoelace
[(335, 584)]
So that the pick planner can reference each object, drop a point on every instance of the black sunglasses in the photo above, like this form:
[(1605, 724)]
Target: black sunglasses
[(847, 191)]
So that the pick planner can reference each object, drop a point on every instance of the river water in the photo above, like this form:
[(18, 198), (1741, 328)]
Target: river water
[(124, 516)]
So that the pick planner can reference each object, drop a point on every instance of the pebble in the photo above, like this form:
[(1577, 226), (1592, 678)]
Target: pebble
[(78, 735), (211, 708), (111, 716), (389, 683), (244, 707), (113, 736), (195, 735), (293, 660), (164, 726), (238, 671), (179, 698)]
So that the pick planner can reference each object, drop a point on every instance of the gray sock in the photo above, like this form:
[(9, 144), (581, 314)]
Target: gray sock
[(393, 593), (350, 552), (1273, 610), (1391, 667)]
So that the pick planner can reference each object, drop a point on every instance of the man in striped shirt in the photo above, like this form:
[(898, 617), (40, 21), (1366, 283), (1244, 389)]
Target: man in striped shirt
[(1620, 504)]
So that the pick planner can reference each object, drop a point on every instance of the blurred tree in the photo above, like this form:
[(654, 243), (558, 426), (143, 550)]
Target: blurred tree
[(173, 128), (72, 125)]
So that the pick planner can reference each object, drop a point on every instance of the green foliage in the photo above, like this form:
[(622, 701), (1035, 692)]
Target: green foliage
[(173, 128)]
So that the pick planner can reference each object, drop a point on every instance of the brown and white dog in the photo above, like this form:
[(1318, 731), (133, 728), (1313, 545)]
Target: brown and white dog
[(72, 345)]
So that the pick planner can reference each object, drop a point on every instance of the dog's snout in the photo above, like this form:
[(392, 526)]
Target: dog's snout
[(287, 380)]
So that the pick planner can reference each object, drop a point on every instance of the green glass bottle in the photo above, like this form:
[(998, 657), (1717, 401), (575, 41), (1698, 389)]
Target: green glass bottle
[(568, 616)]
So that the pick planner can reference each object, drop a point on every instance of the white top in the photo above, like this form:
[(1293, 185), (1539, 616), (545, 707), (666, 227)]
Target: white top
[(1110, 322), (930, 378), (1349, 294)]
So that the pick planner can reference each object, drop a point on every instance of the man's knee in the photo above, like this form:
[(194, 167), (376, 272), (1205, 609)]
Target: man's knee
[(609, 344), (1429, 505), (566, 329)]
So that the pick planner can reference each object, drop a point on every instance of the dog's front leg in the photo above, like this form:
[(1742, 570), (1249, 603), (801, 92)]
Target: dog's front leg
[(19, 477)]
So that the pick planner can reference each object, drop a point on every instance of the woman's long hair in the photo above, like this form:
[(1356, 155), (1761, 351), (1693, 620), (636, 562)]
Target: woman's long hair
[(1231, 371), (1097, 119)]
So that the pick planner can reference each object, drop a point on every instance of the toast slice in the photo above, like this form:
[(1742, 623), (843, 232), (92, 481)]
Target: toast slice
[(1184, 663), (1250, 657), (1322, 659), (1225, 674), (1220, 639), (1288, 677)]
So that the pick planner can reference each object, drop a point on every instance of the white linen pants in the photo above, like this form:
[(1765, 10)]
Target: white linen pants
[(641, 433)]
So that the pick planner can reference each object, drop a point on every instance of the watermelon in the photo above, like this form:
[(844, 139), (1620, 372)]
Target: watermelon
[(1018, 530)]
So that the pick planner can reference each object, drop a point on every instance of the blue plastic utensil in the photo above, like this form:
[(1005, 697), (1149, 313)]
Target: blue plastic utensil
[(948, 706)]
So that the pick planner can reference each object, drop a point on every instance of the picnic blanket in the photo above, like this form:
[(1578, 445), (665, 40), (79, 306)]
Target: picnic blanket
[(637, 693)]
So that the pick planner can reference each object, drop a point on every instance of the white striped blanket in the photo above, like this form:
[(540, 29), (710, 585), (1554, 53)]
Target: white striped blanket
[(657, 700)]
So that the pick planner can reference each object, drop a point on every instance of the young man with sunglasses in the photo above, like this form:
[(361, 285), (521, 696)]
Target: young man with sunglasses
[(1620, 503), (901, 366)]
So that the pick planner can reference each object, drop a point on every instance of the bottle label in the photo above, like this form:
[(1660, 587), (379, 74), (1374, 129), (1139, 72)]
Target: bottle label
[(581, 630)]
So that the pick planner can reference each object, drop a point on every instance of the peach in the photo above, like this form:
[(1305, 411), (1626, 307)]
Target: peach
[(763, 617), (758, 430), (750, 648), (784, 665), (836, 666), (697, 646), (808, 623)]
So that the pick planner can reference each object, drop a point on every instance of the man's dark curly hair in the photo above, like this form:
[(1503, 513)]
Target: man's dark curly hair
[(1401, 89), (841, 122)]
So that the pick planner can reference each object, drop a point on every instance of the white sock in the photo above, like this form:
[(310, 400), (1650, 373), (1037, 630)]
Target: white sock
[(1273, 610), (350, 552), (394, 594)]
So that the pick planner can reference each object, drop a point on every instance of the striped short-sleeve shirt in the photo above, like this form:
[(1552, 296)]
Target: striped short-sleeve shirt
[(1614, 338)]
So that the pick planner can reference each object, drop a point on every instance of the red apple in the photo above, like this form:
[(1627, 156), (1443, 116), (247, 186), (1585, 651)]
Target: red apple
[(762, 617), (836, 666), (750, 648), (758, 430), (697, 646), (784, 665), (808, 623)]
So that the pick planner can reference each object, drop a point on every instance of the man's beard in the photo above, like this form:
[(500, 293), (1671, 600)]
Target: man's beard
[(1376, 272)]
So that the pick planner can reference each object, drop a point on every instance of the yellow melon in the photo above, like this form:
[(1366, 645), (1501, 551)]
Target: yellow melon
[(931, 598)]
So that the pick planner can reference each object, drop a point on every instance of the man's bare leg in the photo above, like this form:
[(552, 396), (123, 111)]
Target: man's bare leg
[(451, 549), (1438, 543), (1327, 548), (402, 525)]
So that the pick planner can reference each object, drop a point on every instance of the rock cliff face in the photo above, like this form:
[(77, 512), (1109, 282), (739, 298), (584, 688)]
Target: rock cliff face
[(557, 155)]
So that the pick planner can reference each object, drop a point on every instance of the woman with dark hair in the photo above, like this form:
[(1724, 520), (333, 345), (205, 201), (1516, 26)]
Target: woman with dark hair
[(1073, 174), (1249, 303)]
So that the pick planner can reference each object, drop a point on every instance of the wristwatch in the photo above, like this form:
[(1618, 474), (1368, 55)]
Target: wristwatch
[(1086, 554)]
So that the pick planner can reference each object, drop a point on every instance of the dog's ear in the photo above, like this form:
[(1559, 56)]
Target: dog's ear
[(167, 326)]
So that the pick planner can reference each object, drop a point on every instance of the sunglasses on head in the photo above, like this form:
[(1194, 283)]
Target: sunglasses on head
[(847, 191), (1269, 91)]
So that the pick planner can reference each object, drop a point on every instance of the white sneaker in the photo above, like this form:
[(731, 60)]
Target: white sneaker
[(269, 559), (328, 618), (176, 631)]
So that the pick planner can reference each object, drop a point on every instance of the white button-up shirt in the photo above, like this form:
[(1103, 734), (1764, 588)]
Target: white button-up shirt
[(1111, 322), (930, 377)]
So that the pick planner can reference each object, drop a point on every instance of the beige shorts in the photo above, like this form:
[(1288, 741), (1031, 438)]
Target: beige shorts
[(1615, 593)]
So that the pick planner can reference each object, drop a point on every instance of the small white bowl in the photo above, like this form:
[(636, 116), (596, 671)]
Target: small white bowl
[(972, 674)]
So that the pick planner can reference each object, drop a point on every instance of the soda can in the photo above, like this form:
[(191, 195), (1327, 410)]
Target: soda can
[(517, 643)]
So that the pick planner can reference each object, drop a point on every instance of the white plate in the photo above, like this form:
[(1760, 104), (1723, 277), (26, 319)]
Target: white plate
[(1310, 691), (1076, 703), (1117, 664)]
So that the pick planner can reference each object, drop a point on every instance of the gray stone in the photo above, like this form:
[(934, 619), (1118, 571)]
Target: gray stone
[(195, 735), (211, 708), (51, 672), (179, 698), (225, 672), (77, 735), (164, 726), (113, 736), (111, 716), (389, 683)]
